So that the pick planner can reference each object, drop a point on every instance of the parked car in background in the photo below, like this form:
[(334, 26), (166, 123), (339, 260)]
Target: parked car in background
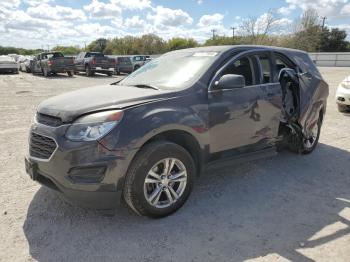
[(123, 64), (8, 64), (94, 62), (343, 95), (52, 63), (148, 137), (24, 63), (14, 56), (138, 61)]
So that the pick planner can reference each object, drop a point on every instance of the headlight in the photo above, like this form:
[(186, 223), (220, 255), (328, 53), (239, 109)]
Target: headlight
[(95, 126)]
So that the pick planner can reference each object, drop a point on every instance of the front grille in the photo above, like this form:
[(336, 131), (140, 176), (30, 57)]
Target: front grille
[(48, 120), (41, 146)]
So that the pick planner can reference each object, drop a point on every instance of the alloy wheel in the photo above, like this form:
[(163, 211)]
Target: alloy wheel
[(165, 183)]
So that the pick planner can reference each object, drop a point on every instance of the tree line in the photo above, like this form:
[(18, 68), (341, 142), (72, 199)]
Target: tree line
[(306, 34)]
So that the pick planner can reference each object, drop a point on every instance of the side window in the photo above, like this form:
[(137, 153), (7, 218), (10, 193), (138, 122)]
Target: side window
[(265, 69), (244, 67)]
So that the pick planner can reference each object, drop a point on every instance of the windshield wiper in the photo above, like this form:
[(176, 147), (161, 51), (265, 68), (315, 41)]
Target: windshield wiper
[(146, 86), (116, 83)]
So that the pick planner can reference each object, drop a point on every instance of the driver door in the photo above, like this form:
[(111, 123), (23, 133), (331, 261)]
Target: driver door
[(243, 117)]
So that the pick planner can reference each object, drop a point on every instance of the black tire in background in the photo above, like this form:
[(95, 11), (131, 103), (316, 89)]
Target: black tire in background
[(45, 72), (148, 156), (342, 108), (88, 71), (70, 73)]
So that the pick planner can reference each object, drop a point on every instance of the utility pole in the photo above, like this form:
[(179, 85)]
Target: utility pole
[(213, 31), (233, 31), (323, 22), (85, 45), (48, 48)]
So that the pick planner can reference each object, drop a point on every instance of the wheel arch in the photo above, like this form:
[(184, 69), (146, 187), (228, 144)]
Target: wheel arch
[(183, 139)]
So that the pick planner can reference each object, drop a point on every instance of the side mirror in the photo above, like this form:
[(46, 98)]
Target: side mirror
[(230, 82)]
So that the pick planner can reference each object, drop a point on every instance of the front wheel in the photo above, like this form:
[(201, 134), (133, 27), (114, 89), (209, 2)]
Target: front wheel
[(70, 73), (342, 108), (159, 180)]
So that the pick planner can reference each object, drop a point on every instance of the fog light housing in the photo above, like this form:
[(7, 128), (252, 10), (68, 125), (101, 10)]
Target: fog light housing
[(87, 175)]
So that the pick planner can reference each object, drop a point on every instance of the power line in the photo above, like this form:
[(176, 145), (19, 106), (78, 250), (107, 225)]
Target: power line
[(213, 31), (233, 31), (323, 22)]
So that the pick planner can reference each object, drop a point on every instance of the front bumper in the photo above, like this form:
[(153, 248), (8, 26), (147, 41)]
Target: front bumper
[(84, 173), (343, 96)]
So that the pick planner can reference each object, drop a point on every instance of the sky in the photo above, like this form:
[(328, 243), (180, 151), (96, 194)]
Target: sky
[(37, 24)]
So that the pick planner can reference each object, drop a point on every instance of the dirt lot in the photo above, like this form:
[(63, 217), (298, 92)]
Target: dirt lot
[(288, 207)]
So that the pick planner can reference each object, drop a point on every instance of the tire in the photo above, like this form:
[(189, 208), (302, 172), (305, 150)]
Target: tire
[(109, 74), (136, 188), (45, 72), (118, 72), (88, 71), (342, 108), (136, 67), (307, 146), (70, 73)]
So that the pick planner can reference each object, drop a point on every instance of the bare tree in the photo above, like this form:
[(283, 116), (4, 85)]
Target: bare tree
[(258, 28), (307, 32)]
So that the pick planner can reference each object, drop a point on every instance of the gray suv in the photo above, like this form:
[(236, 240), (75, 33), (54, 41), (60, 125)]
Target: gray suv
[(147, 138)]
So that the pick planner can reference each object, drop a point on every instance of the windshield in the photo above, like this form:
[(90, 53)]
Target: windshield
[(95, 55), (172, 71), (53, 55)]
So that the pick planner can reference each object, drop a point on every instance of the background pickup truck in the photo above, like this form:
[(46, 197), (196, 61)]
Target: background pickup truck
[(51, 63), (91, 62)]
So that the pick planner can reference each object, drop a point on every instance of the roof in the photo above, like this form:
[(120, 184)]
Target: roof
[(222, 49)]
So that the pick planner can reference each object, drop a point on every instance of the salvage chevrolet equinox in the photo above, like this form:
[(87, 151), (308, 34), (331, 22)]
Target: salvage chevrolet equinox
[(148, 137)]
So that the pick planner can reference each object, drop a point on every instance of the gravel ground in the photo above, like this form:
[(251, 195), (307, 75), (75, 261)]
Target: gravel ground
[(288, 207)]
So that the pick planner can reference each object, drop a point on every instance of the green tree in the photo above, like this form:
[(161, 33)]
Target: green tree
[(99, 45), (333, 40), (67, 50), (181, 43)]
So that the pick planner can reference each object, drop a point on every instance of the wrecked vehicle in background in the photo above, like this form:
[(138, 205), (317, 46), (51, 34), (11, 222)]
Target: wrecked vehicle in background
[(149, 136), (8, 65), (94, 62), (49, 63)]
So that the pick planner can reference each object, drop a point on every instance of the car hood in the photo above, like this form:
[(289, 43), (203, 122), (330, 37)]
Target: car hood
[(71, 105)]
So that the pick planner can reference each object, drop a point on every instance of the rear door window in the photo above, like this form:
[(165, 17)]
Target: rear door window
[(265, 69)]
